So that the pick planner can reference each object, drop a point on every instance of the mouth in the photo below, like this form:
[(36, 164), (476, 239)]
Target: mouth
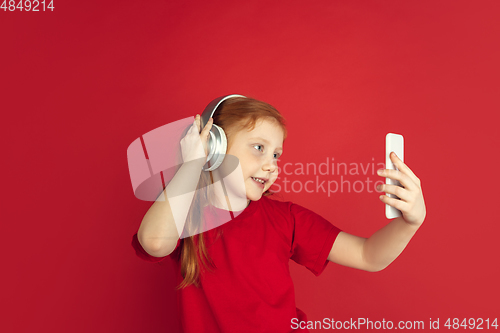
[(260, 181)]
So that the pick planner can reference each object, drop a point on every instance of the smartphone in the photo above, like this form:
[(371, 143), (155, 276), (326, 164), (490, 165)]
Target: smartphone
[(393, 143)]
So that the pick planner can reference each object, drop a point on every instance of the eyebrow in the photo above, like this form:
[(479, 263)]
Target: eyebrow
[(262, 139)]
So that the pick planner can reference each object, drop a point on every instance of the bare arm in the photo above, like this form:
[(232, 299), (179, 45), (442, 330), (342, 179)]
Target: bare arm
[(158, 232), (164, 221), (386, 244), (375, 253)]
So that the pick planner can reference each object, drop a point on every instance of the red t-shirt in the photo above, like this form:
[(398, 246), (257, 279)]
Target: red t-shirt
[(251, 290)]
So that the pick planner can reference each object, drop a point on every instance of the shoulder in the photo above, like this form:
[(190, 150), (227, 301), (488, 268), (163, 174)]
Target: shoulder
[(275, 217), (276, 212), (280, 210)]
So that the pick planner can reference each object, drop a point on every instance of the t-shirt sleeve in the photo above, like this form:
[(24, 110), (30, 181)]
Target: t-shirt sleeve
[(313, 238), (141, 253)]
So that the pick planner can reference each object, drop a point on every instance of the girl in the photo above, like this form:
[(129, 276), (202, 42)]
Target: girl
[(235, 278)]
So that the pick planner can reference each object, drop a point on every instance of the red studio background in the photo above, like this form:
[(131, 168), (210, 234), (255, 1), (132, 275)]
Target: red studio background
[(82, 82)]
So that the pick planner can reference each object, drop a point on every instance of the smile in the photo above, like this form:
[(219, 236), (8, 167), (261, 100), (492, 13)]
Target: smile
[(259, 181)]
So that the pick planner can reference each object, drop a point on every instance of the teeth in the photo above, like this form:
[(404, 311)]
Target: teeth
[(260, 181)]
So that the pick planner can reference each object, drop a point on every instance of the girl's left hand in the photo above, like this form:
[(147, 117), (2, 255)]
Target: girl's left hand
[(411, 202)]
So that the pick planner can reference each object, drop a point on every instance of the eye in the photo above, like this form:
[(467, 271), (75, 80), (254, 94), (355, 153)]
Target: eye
[(259, 146), (276, 155)]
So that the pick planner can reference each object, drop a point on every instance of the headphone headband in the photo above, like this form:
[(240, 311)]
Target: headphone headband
[(212, 107)]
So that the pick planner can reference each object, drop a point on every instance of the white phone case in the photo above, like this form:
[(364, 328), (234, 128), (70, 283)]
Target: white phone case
[(393, 143)]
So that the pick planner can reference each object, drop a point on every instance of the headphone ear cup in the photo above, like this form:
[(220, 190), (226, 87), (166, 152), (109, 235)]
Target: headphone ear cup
[(217, 148)]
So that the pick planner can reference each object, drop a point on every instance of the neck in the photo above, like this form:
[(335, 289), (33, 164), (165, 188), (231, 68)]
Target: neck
[(228, 193), (231, 205)]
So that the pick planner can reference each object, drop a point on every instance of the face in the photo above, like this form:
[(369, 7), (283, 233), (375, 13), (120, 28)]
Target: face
[(258, 152)]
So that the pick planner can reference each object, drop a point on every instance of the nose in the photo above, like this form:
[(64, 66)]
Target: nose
[(270, 165)]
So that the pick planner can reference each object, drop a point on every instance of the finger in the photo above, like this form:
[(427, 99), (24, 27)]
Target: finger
[(398, 191), (209, 122), (197, 122), (405, 180), (396, 203), (403, 167), (208, 126)]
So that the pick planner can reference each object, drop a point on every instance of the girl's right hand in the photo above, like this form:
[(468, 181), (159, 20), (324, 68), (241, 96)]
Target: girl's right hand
[(194, 145)]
